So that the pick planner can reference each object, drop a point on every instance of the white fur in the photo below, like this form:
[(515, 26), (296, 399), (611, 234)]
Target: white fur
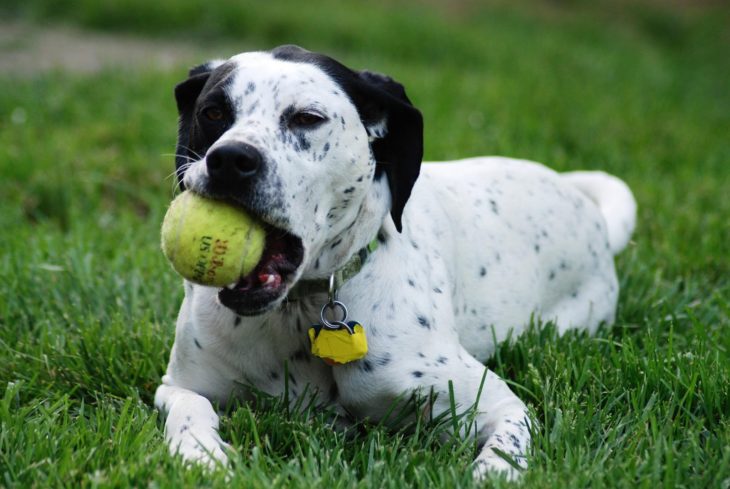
[(487, 244)]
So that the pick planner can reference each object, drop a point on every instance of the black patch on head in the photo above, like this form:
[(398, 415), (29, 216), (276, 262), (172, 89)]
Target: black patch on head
[(205, 85), (379, 100)]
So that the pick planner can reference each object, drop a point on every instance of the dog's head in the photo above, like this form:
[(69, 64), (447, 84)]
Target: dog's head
[(320, 153)]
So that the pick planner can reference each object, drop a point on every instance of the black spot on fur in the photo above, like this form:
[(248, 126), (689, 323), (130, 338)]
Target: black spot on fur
[(300, 356), (384, 360), (424, 322), (483, 272), (417, 374), (494, 206), (366, 366), (197, 343), (274, 375)]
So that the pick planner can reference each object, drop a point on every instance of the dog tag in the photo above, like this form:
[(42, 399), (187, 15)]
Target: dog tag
[(337, 346)]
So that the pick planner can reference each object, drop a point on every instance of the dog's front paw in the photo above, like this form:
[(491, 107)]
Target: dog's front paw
[(492, 464), (200, 446)]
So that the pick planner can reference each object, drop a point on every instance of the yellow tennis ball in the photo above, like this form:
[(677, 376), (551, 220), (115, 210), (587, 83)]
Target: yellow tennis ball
[(210, 242)]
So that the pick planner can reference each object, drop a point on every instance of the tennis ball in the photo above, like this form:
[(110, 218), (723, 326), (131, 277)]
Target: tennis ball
[(211, 242)]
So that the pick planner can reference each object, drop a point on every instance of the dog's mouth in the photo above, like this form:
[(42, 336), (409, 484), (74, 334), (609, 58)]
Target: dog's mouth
[(259, 290)]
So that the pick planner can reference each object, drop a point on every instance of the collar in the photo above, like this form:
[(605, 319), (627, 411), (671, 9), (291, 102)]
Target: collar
[(306, 288)]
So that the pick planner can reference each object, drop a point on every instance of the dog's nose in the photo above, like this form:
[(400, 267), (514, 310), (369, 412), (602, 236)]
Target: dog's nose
[(233, 163)]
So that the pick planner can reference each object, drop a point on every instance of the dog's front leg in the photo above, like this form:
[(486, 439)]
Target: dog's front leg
[(504, 434), (501, 417), (191, 427)]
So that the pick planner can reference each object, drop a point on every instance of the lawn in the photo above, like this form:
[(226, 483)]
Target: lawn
[(87, 302)]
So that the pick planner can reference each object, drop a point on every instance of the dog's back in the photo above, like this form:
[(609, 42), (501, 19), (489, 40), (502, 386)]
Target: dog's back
[(527, 242)]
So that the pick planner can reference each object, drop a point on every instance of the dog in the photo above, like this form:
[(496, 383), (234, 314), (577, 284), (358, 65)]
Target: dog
[(452, 258)]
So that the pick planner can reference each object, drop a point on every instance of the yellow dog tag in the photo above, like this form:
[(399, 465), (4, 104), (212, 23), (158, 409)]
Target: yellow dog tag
[(338, 346)]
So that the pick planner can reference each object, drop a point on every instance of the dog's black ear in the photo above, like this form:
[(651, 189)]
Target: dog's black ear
[(186, 94), (396, 129), (393, 123)]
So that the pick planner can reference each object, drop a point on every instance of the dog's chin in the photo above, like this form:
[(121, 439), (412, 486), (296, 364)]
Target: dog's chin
[(265, 287)]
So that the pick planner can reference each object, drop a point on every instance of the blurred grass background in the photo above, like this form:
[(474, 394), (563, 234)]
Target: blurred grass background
[(87, 303)]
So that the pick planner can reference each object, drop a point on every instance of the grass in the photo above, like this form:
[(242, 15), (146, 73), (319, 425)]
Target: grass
[(87, 303)]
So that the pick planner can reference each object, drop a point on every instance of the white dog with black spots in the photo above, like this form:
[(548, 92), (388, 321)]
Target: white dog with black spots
[(327, 158)]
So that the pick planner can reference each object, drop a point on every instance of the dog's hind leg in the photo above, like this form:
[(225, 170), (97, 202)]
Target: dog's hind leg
[(191, 427)]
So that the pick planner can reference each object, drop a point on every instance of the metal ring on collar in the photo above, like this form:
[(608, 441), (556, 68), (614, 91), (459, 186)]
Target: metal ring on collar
[(337, 324)]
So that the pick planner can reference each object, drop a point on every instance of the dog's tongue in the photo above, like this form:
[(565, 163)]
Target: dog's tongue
[(268, 275), (274, 264)]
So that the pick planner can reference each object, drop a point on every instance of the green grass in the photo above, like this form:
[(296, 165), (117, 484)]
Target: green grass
[(87, 303)]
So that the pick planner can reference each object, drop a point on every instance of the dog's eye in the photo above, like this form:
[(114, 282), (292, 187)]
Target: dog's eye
[(213, 114), (306, 119)]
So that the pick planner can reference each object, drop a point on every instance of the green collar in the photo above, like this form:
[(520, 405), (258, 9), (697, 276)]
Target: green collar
[(306, 288)]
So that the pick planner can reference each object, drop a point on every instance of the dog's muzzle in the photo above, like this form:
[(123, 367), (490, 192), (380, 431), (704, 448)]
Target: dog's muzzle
[(232, 169)]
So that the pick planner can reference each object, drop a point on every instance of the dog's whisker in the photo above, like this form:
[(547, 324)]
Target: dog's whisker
[(192, 151)]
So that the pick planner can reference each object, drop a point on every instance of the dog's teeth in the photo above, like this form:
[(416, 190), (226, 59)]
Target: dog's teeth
[(232, 285), (270, 279)]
